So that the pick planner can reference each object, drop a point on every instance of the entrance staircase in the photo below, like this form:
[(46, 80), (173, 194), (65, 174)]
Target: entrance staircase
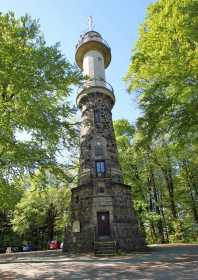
[(104, 248)]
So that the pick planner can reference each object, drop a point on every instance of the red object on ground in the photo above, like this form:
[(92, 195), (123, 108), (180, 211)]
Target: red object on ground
[(54, 245)]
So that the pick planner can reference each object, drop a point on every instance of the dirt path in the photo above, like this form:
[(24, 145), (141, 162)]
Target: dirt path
[(164, 262)]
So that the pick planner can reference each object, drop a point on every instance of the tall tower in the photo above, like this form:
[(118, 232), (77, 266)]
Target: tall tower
[(101, 205)]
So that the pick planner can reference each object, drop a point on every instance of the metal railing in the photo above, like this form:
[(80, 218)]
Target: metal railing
[(96, 83), (89, 37)]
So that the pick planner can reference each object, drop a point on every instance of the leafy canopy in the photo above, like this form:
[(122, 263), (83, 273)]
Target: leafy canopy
[(163, 179), (35, 115), (41, 209), (164, 67)]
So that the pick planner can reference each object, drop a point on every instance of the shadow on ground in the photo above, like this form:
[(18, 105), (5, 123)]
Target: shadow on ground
[(163, 262)]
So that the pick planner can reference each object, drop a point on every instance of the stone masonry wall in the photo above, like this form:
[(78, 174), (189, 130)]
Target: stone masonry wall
[(97, 127), (115, 198)]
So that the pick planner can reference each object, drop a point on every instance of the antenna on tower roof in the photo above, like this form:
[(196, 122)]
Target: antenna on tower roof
[(90, 23)]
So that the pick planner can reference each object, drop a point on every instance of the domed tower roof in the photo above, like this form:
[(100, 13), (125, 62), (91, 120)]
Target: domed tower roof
[(92, 40)]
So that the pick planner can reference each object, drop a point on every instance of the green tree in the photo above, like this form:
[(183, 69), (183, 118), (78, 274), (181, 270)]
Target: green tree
[(36, 119), (138, 170), (163, 72), (164, 67), (41, 214), (163, 182), (37, 122)]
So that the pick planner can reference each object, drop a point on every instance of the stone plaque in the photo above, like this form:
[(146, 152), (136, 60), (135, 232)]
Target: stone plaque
[(76, 226)]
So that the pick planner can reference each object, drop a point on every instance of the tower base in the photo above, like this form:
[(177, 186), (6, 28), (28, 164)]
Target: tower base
[(102, 211)]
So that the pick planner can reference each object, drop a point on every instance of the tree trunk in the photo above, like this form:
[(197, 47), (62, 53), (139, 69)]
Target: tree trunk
[(153, 232), (51, 221), (170, 186), (167, 173), (190, 183), (163, 218), (157, 209)]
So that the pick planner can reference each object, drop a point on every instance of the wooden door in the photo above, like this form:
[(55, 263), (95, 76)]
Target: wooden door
[(103, 224)]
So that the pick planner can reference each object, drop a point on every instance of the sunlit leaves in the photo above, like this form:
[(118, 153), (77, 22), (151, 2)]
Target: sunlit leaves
[(37, 122), (163, 68), (32, 212), (35, 82)]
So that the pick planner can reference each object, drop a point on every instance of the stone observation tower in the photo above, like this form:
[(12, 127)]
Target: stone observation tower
[(102, 215)]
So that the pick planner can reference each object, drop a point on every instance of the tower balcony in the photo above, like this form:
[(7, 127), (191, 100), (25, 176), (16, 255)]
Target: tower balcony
[(92, 40), (112, 174), (95, 85)]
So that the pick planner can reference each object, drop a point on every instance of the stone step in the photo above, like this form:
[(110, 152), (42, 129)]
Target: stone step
[(104, 255), (105, 248), (104, 243)]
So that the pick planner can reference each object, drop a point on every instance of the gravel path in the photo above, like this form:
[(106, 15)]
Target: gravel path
[(164, 262)]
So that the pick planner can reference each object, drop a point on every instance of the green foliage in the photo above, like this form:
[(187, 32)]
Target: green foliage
[(163, 69), (37, 122), (41, 214), (35, 81), (163, 182)]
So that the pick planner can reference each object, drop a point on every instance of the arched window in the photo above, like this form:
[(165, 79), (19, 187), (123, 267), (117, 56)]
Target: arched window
[(99, 149)]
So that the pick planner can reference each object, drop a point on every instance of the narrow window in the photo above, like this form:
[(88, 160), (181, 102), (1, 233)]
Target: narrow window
[(99, 149), (100, 168), (77, 199), (96, 117), (101, 190)]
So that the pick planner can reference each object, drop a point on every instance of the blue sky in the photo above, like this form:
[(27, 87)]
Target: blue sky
[(118, 22)]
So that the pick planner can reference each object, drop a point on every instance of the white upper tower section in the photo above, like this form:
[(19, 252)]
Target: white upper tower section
[(93, 65), (93, 56), (93, 61)]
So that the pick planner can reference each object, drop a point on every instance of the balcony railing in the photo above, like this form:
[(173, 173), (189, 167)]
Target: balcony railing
[(87, 175), (91, 37), (96, 83)]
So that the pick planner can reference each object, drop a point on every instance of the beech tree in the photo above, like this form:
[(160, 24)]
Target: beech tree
[(40, 215), (36, 118), (164, 67), (163, 73), (37, 122), (163, 182)]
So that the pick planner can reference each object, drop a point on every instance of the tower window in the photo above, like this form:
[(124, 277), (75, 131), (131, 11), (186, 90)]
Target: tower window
[(100, 168), (77, 199), (97, 117), (99, 149), (101, 190)]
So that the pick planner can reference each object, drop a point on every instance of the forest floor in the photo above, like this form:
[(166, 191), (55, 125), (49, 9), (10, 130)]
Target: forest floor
[(162, 262)]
